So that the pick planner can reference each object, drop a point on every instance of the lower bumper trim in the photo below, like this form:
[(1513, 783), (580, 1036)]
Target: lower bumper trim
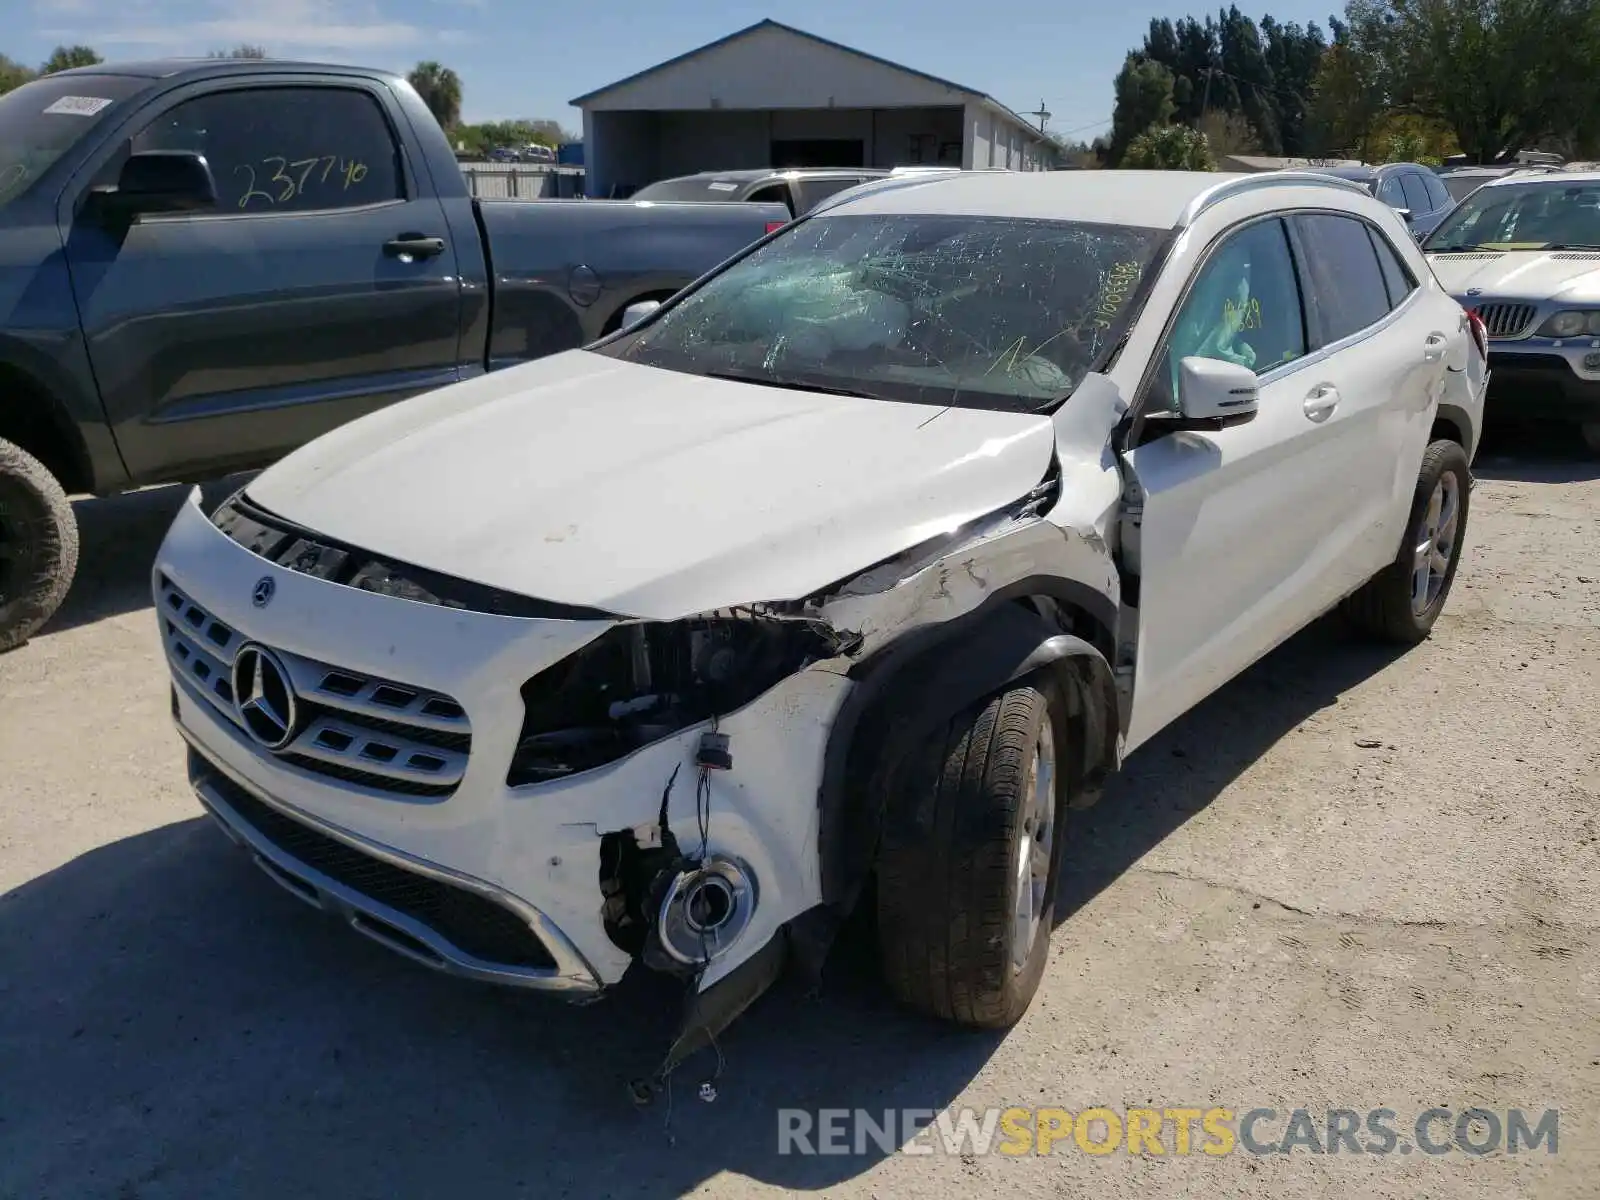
[(432, 917), (1540, 386)]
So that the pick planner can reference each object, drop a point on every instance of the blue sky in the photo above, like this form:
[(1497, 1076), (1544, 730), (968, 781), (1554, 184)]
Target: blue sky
[(521, 59)]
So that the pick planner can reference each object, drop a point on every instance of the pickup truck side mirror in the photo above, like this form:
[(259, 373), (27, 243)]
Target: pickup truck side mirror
[(161, 181), (638, 311), (1212, 395)]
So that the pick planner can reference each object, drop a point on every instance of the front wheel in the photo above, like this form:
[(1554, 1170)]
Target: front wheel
[(968, 865), (38, 545), (1401, 602)]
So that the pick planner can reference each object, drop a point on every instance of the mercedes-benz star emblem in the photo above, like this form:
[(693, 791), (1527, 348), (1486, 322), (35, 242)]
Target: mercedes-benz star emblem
[(263, 696), (1474, 291), (261, 594)]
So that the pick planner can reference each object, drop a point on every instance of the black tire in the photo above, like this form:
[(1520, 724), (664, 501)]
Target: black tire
[(1383, 607), (947, 877), (1591, 435), (38, 545)]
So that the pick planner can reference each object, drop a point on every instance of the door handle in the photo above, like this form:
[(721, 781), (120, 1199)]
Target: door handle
[(1321, 401), (410, 246), (1433, 348)]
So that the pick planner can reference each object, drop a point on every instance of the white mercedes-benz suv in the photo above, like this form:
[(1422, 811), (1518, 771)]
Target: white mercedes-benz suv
[(866, 557)]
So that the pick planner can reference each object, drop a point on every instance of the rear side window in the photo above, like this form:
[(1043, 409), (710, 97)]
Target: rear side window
[(1437, 192), (1345, 291), (286, 149), (814, 191), (1396, 277), (1417, 198), (1391, 193)]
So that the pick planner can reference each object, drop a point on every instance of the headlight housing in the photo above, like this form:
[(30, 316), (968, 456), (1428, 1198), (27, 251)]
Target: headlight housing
[(1572, 322), (639, 683)]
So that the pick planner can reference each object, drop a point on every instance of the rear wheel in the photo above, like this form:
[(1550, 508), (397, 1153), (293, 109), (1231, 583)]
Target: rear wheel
[(967, 870), (1401, 602), (38, 545), (1591, 435)]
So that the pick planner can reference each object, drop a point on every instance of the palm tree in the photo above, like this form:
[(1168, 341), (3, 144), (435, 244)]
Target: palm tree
[(440, 89), (63, 58)]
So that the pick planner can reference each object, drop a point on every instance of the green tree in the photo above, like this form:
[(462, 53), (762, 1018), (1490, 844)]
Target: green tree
[(1144, 98), (440, 89), (1169, 148), (64, 58), (1347, 102), (12, 74), (1501, 73), (241, 51)]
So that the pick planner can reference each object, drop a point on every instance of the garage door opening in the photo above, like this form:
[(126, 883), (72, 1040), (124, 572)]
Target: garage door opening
[(819, 152)]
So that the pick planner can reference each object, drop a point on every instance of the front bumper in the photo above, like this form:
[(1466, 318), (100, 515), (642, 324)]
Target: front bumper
[(408, 848), (1545, 378)]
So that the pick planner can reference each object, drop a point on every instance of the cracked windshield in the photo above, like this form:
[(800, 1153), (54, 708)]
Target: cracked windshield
[(996, 313)]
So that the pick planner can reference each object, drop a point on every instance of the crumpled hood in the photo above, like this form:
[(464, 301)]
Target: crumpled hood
[(584, 480), (1565, 275)]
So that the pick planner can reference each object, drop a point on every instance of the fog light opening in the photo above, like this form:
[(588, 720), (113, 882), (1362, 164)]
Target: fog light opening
[(705, 911)]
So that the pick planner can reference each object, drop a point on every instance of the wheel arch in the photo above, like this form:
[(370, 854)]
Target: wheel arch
[(909, 688), (33, 417)]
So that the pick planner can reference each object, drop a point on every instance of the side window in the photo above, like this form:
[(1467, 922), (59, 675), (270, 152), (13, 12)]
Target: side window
[(1417, 198), (286, 149), (1397, 277), (814, 191), (1345, 291), (1391, 193), (1244, 307), (775, 193), (1437, 192)]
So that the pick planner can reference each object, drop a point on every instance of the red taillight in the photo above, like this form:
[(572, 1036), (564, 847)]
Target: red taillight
[(774, 226), (1480, 331)]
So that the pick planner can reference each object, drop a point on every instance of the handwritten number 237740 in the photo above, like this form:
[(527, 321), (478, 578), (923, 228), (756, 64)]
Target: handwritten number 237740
[(279, 180)]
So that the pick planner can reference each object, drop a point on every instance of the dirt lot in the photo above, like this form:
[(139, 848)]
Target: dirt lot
[(1351, 879)]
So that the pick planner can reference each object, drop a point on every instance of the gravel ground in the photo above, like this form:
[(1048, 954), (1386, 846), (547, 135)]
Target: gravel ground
[(1351, 879)]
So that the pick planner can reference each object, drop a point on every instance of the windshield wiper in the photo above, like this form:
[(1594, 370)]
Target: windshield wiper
[(796, 385), (1456, 249), (1573, 246)]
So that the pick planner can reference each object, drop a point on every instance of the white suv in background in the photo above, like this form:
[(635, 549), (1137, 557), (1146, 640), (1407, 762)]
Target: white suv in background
[(871, 554)]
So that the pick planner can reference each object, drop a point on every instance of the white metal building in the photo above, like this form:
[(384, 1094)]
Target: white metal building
[(774, 96)]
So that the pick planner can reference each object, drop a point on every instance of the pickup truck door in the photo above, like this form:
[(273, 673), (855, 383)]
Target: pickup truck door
[(1237, 526), (324, 284)]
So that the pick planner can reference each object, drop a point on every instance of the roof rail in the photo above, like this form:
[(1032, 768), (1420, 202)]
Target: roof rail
[(1229, 188)]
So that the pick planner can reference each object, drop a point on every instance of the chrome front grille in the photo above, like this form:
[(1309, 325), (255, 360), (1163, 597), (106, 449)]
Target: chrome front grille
[(374, 733), (1506, 320)]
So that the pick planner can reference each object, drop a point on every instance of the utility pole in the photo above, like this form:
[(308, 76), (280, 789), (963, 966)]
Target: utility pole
[(1042, 113)]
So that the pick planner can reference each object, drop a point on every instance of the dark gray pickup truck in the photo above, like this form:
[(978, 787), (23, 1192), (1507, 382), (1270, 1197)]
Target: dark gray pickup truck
[(205, 264)]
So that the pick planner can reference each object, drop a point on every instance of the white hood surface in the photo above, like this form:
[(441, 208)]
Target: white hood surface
[(1562, 275), (585, 480)]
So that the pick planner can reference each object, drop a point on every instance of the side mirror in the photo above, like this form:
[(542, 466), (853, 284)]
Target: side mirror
[(162, 181), (638, 311), (1212, 395)]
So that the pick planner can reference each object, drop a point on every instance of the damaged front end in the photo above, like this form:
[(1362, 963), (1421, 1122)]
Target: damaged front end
[(679, 896)]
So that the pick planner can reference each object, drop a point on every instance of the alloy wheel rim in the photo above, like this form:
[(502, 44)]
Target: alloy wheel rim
[(1436, 543), (1035, 849)]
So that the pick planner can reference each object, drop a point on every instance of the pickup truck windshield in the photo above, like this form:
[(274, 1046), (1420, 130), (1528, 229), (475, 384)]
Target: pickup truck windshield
[(1528, 216), (41, 120), (981, 312)]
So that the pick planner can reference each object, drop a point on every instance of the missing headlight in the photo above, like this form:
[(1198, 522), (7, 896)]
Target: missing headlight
[(637, 684)]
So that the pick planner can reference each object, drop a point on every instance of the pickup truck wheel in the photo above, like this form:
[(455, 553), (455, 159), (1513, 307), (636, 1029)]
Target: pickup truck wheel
[(38, 545), (968, 864), (1591, 436), (1401, 602)]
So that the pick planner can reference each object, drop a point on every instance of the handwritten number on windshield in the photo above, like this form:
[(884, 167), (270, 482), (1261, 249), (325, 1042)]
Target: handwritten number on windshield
[(292, 178)]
